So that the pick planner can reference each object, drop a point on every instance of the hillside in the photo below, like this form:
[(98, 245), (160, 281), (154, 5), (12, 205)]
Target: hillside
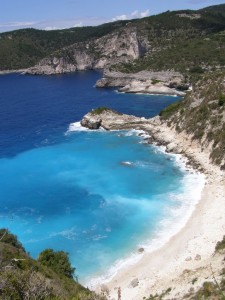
[(201, 114), (198, 37), (48, 277), (24, 48), (184, 41)]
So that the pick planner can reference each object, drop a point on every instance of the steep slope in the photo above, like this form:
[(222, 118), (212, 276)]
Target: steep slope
[(121, 46), (185, 41), (201, 114), (49, 277), (26, 47)]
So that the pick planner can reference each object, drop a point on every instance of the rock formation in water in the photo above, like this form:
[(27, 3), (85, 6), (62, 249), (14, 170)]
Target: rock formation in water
[(146, 82)]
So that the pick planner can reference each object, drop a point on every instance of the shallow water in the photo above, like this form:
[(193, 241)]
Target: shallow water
[(97, 195)]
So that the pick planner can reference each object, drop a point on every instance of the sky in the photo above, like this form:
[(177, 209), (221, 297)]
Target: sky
[(58, 14)]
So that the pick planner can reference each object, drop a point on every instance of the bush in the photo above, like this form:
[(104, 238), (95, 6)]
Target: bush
[(9, 238), (170, 110), (221, 101), (99, 110), (197, 70), (220, 245), (58, 261)]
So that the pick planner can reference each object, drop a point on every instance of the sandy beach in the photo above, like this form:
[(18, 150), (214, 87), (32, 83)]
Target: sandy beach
[(188, 259)]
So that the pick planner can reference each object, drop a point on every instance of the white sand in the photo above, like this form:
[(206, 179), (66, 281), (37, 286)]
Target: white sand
[(175, 264)]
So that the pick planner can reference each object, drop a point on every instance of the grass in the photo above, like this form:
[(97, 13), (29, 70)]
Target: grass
[(99, 110)]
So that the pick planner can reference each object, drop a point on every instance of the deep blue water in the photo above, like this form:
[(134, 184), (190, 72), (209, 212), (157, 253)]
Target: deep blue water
[(36, 108), (71, 190)]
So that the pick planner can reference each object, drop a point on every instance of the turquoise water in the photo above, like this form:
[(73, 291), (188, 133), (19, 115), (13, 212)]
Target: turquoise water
[(97, 195)]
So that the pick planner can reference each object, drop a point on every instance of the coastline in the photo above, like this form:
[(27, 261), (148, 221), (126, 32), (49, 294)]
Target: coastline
[(188, 254), (4, 72)]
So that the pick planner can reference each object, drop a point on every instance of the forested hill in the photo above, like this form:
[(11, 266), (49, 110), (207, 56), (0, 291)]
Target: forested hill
[(179, 40), (24, 48)]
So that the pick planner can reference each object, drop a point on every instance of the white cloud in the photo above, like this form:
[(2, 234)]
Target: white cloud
[(145, 13), (17, 24), (122, 17), (52, 28), (80, 24), (135, 14), (69, 23)]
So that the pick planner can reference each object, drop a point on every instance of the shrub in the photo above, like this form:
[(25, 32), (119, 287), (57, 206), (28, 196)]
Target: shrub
[(220, 245), (57, 261), (170, 110), (221, 101), (99, 110), (9, 238), (155, 81)]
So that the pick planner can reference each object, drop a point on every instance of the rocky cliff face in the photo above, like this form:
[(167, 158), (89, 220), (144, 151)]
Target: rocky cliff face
[(201, 116), (119, 47)]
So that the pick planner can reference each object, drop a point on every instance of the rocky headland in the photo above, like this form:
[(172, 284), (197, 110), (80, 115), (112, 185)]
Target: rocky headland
[(146, 82), (156, 129)]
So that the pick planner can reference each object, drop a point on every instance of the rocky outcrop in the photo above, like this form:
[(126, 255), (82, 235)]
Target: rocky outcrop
[(111, 120), (119, 47), (167, 83)]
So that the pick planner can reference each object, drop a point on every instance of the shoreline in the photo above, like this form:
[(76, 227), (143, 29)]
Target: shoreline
[(166, 229), (5, 72), (189, 253)]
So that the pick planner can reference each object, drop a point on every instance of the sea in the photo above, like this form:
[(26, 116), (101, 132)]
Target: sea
[(103, 197)]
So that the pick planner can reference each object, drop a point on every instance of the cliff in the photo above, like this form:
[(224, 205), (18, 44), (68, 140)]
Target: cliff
[(118, 47), (201, 116)]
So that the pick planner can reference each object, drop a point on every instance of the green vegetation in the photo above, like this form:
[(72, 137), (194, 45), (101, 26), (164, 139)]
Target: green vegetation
[(220, 245), (170, 110), (26, 47), (57, 261), (181, 43), (221, 101), (210, 290), (10, 239), (50, 277), (99, 110), (159, 297), (176, 39), (201, 114), (155, 81)]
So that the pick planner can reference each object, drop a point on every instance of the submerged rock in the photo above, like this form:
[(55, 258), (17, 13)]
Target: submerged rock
[(141, 250)]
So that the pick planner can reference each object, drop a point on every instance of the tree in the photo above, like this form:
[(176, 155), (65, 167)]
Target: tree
[(57, 261)]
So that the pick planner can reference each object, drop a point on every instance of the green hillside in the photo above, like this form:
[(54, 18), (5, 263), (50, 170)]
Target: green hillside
[(24, 48), (48, 277), (178, 40), (185, 41), (202, 113)]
